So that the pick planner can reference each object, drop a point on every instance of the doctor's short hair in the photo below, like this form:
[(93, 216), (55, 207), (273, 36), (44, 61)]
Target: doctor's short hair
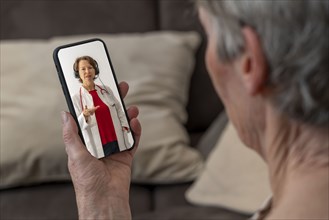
[(293, 35), (90, 60)]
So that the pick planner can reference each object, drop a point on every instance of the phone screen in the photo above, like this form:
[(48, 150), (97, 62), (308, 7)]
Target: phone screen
[(90, 87)]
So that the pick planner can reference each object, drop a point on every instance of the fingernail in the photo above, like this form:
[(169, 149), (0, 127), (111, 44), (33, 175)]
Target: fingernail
[(64, 117)]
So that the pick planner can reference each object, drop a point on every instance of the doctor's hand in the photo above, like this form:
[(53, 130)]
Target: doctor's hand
[(101, 185), (89, 111)]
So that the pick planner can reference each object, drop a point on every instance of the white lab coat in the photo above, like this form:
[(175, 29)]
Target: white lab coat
[(90, 129)]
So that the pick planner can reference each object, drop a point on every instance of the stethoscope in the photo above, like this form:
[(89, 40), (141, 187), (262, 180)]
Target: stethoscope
[(101, 90)]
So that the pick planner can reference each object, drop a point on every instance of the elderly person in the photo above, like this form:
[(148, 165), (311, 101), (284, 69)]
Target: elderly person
[(103, 123), (268, 61)]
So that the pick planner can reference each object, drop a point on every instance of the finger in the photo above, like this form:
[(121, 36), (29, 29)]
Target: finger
[(132, 112), (73, 144), (123, 87), (137, 129), (86, 107), (92, 110)]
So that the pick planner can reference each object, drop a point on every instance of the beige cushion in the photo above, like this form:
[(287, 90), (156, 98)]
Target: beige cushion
[(234, 177), (157, 66)]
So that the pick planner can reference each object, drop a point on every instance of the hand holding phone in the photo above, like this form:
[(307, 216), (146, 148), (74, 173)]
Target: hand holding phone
[(91, 90), (95, 179)]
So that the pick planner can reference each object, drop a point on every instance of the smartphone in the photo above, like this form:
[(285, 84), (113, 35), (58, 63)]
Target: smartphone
[(91, 90)]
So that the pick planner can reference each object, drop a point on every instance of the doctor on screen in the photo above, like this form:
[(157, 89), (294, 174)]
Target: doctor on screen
[(103, 123)]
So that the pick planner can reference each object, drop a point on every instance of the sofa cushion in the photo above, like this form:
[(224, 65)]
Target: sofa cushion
[(234, 177), (210, 137), (157, 66)]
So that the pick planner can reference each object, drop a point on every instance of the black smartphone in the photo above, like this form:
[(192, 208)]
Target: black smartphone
[(91, 90)]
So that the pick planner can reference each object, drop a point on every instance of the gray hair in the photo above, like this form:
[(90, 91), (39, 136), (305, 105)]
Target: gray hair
[(294, 36)]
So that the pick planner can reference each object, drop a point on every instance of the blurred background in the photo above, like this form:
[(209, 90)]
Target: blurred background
[(170, 177)]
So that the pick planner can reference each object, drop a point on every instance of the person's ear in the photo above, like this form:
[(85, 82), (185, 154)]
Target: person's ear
[(253, 64)]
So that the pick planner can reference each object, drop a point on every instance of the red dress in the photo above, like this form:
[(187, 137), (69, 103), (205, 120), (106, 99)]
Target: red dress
[(104, 120)]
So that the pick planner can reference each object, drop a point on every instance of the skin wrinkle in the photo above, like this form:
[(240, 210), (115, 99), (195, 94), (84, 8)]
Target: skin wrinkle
[(286, 151), (310, 158), (277, 156), (98, 191)]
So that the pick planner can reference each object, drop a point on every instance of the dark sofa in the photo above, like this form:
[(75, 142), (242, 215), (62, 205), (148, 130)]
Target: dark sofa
[(45, 19)]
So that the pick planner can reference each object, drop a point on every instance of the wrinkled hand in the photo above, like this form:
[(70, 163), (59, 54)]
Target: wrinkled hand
[(101, 185)]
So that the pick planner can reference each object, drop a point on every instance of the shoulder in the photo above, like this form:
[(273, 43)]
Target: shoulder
[(76, 96)]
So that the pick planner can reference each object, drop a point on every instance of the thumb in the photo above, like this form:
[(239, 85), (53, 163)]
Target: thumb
[(95, 108), (73, 144)]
